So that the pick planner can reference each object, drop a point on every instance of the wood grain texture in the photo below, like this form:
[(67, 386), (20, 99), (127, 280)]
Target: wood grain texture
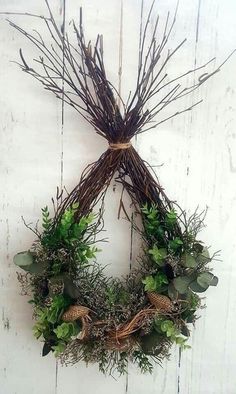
[(44, 144)]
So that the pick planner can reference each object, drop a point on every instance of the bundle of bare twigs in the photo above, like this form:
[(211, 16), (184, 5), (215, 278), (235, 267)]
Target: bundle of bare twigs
[(129, 318), (87, 89)]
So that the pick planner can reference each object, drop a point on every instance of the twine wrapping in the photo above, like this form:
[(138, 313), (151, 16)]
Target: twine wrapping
[(120, 145)]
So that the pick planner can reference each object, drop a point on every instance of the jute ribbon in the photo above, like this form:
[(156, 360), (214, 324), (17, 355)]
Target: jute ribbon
[(120, 145)]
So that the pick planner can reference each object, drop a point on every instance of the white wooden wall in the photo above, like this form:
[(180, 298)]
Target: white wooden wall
[(198, 153)]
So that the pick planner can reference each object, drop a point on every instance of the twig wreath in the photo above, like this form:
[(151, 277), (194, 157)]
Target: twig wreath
[(80, 313)]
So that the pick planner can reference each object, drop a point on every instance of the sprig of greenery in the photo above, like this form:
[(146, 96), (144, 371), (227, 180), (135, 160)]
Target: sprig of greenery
[(50, 326), (168, 328), (46, 220), (158, 254), (143, 361), (68, 232), (155, 283)]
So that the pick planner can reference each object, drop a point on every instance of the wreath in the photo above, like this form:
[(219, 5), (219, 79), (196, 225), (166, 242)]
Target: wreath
[(80, 313)]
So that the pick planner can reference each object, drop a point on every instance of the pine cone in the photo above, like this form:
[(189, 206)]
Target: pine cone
[(161, 302), (75, 312)]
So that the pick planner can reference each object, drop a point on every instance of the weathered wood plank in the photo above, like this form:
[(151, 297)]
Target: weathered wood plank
[(29, 174)]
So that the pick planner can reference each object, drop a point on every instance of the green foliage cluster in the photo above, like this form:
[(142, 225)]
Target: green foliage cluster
[(161, 231), (171, 331), (175, 264), (55, 332), (187, 256), (179, 262), (156, 282), (69, 233), (63, 246)]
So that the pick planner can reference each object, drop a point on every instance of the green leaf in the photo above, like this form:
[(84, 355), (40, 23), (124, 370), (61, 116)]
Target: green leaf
[(61, 301), (46, 349), (204, 256), (59, 348), (188, 260), (194, 286), (37, 268), (46, 221), (207, 279), (175, 244), (182, 343), (171, 218), (26, 261), (161, 280), (53, 315), (190, 318), (167, 325), (155, 283), (75, 206), (62, 331), (184, 330), (157, 254), (66, 330), (172, 292), (214, 281), (23, 259), (181, 283), (150, 283), (145, 208), (37, 332), (90, 253)]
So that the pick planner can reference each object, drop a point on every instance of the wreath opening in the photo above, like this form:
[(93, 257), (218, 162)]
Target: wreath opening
[(80, 313)]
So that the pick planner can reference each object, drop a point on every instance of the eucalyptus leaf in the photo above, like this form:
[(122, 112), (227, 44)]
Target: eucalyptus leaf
[(207, 279), (214, 281), (26, 261), (189, 261), (204, 256), (37, 268), (194, 286), (23, 259), (181, 283), (172, 292)]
